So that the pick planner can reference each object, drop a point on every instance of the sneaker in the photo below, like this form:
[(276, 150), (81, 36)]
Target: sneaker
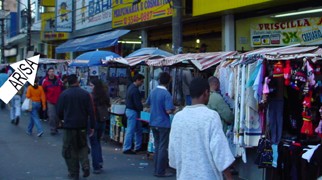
[(97, 171), (164, 175), (86, 172), (129, 152), (140, 150), (73, 176), (40, 134), (17, 120), (28, 133)]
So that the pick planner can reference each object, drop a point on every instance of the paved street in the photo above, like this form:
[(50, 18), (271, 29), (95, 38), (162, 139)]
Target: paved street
[(24, 157)]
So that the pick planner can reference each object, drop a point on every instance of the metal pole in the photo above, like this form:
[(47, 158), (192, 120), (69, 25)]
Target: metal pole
[(28, 26), (177, 27), (3, 59)]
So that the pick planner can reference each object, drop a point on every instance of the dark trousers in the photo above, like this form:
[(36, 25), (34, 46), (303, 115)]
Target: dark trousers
[(96, 148), (161, 142), (275, 115), (75, 150)]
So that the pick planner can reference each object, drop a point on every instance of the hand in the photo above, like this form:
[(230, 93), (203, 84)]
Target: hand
[(91, 132)]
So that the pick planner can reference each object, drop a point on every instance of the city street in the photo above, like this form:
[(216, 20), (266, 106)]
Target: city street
[(26, 157)]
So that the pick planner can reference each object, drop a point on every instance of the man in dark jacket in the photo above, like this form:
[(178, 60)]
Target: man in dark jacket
[(53, 86), (75, 107), (133, 108)]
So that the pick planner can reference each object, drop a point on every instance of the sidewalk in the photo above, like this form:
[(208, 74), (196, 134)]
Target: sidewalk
[(29, 157)]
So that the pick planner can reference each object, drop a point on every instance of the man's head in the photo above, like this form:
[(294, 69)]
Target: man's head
[(72, 80), (214, 83), (138, 79), (164, 78), (199, 91), (51, 72)]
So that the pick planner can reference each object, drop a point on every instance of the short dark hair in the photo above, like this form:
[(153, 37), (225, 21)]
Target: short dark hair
[(138, 77), (164, 78), (72, 79), (198, 86)]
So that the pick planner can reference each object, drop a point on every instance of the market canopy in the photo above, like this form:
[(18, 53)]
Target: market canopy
[(93, 58), (52, 61), (201, 60), (91, 42), (150, 51)]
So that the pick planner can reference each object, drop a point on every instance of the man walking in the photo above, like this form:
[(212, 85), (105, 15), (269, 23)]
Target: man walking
[(133, 108), (161, 104), (53, 86), (75, 107), (198, 147)]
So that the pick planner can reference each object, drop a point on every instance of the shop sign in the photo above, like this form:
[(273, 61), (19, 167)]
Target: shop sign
[(126, 13), (92, 12), (47, 3), (306, 31), (48, 28), (64, 19)]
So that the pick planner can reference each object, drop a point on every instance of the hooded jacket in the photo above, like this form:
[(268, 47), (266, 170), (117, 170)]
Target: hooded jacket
[(52, 89)]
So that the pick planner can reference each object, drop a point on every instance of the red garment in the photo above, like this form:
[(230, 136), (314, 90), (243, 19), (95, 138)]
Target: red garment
[(52, 90)]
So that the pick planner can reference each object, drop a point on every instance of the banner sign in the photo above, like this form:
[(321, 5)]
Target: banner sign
[(306, 31), (92, 12), (127, 13), (47, 32), (64, 18)]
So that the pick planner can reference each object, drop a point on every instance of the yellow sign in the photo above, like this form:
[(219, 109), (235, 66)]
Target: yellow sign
[(48, 3), (201, 7), (126, 13), (48, 28)]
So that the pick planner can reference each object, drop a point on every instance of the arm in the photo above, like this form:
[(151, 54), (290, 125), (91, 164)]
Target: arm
[(28, 95), (137, 100), (169, 107)]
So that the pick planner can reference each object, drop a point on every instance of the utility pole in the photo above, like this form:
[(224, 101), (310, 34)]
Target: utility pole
[(177, 27), (29, 26), (3, 58)]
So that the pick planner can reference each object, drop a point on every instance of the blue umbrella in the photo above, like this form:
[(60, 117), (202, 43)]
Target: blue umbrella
[(93, 58), (150, 51)]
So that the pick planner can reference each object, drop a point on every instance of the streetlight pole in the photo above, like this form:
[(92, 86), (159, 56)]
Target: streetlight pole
[(3, 58), (28, 26), (177, 27)]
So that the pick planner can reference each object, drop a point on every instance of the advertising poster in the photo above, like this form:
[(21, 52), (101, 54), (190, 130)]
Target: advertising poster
[(306, 31), (48, 32), (64, 13), (92, 12), (127, 13)]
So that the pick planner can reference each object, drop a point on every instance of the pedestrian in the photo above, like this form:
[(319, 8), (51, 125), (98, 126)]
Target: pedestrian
[(218, 104), (101, 104), (15, 107), (161, 104), (198, 147), (53, 86), (37, 95), (75, 107), (133, 108), (3, 78)]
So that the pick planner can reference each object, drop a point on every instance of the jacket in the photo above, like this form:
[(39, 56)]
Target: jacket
[(133, 98), (75, 107), (36, 95), (52, 90)]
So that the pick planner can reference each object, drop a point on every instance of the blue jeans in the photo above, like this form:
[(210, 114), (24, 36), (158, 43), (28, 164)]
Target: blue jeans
[(161, 143), (134, 128), (34, 118), (96, 148), (15, 109)]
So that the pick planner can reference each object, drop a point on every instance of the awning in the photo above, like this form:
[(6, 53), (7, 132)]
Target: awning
[(91, 42), (132, 61), (201, 60)]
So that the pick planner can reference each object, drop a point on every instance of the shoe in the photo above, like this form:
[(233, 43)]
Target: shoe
[(17, 120), (97, 171), (129, 152), (40, 134), (13, 121), (73, 176), (164, 175), (86, 172), (28, 133), (140, 150)]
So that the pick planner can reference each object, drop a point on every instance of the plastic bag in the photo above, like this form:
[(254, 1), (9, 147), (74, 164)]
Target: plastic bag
[(26, 105)]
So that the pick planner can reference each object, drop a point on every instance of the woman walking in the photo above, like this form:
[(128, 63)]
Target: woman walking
[(37, 95), (101, 104)]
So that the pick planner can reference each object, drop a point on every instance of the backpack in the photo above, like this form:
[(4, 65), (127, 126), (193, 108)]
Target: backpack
[(103, 114)]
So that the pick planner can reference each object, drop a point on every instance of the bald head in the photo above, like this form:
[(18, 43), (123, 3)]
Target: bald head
[(214, 83)]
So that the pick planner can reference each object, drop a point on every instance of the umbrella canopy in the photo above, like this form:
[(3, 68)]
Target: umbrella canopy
[(149, 51), (93, 58)]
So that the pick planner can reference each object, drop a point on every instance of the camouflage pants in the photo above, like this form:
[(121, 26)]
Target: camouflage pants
[(75, 150)]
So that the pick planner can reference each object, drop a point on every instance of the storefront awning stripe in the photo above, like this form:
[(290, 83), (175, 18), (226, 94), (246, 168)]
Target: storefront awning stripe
[(93, 42)]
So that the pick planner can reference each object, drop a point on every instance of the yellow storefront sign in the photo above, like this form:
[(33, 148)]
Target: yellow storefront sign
[(48, 3), (126, 13), (48, 28), (201, 7)]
